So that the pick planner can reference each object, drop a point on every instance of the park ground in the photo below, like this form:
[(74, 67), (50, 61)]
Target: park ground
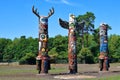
[(59, 72)]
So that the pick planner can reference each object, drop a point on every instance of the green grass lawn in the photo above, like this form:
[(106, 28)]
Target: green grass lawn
[(29, 72)]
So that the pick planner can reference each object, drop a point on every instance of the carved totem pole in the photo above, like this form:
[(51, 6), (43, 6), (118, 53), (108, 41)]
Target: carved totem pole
[(103, 58), (72, 26), (43, 60)]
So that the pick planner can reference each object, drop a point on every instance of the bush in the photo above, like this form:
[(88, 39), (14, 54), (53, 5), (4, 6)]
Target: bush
[(29, 58), (86, 56)]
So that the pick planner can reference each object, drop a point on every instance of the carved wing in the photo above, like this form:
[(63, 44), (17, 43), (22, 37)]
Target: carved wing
[(64, 24)]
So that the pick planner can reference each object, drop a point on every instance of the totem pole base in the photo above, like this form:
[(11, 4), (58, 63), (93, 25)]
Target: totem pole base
[(43, 65), (42, 74), (104, 65), (72, 72)]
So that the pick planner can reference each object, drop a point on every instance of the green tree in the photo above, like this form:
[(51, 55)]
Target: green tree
[(53, 54), (32, 45), (59, 47), (3, 44), (114, 47), (8, 53), (50, 43), (88, 18), (86, 55), (29, 58), (61, 44)]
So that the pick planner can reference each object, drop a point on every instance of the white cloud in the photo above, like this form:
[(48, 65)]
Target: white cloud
[(65, 2), (53, 1), (60, 2)]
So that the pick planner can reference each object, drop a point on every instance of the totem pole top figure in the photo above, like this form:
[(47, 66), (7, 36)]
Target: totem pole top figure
[(43, 19), (72, 19), (103, 28)]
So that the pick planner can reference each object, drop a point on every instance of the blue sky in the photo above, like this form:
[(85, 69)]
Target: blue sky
[(17, 19)]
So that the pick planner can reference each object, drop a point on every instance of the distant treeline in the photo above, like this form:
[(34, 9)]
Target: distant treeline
[(24, 50)]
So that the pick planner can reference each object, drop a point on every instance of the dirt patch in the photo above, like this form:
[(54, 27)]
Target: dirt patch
[(74, 77)]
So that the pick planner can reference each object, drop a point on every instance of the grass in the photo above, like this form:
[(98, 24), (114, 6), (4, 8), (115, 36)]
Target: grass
[(12, 70), (56, 69), (28, 72)]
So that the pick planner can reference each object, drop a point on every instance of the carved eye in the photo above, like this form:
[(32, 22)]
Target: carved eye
[(43, 36), (44, 20)]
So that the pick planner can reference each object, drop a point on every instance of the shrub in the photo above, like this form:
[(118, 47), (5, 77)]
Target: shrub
[(29, 58)]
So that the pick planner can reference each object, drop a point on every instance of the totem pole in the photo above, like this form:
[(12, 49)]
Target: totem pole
[(43, 60), (72, 26), (103, 58)]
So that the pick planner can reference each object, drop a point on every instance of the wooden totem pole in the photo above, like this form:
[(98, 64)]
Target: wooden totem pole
[(72, 26), (43, 60), (103, 58)]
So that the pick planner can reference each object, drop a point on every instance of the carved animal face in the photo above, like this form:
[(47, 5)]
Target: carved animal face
[(44, 20), (43, 24)]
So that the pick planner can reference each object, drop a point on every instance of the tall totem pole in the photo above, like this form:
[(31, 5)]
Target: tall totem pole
[(43, 60), (72, 26), (103, 58)]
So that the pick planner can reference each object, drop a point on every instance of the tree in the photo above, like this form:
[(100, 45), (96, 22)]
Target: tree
[(86, 55), (50, 43), (29, 58), (58, 47), (114, 47), (53, 54), (61, 44), (88, 18), (3, 44), (8, 53), (116, 55)]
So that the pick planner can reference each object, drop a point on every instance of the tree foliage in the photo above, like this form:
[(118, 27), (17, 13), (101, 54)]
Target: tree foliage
[(86, 55), (88, 18), (25, 49)]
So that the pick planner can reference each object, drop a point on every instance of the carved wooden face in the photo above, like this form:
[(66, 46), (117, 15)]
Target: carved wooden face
[(43, 25), (72, 20), (103, 30), (44, 20)]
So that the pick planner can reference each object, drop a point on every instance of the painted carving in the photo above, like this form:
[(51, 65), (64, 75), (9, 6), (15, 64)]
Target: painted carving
[(72, 27), (103, 58), (43, 60)]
